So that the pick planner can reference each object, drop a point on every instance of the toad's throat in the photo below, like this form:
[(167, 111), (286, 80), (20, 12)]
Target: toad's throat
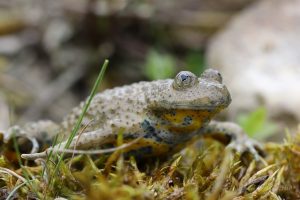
[(183, 120)]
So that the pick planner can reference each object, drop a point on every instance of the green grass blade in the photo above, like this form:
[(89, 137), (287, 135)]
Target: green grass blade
[(86, 106)]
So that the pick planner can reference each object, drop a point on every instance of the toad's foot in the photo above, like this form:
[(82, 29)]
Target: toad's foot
[(247, 145), (43, 131), (233, 134), (16, 131)]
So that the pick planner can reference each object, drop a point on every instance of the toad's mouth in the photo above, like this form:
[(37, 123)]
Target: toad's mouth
[(193, 107), (177, 106)]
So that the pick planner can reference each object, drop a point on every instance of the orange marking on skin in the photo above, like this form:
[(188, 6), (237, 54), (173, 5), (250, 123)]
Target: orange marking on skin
[(177, 120)]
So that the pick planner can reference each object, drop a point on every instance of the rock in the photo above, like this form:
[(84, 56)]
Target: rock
[(259, 56)]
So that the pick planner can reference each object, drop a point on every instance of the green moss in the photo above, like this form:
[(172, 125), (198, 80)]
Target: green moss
[(203, 170)]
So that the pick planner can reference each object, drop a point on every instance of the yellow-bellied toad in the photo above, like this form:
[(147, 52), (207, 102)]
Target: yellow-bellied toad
[(165, 113)]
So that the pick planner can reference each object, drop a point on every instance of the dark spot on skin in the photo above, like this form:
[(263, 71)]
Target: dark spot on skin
[(146, 126), (157, 113), (187, 121), (173, 112), (150, 131)]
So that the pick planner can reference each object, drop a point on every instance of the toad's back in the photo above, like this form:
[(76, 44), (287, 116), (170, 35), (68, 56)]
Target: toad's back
[(119, 107)]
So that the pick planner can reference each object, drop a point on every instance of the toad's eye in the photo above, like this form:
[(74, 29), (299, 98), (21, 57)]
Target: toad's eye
[(184, 79)]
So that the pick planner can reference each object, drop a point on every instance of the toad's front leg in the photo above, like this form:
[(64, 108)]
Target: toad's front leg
[(233, 135), (38, 133)]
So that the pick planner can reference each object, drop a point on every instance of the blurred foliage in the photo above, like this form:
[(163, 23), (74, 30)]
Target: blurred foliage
[(159, 65), (162, 65), (256, 124), (195, 62)]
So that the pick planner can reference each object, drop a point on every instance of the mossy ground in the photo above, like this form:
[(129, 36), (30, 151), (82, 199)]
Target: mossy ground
[(203, 170)]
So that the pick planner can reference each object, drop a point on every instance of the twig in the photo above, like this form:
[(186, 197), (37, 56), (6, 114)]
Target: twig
[(90, 152)]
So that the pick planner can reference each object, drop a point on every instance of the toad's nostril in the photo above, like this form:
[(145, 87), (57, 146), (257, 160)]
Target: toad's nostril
[(212, 75)]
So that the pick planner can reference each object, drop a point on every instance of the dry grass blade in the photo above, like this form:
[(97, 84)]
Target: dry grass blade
[(224, 169), (8, 171)]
